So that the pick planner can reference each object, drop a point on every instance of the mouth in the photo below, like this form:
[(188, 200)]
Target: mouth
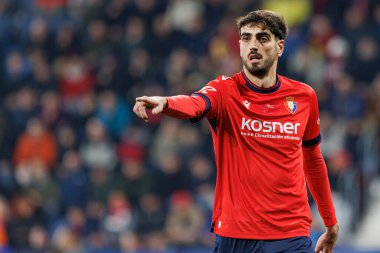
[(254, 57)]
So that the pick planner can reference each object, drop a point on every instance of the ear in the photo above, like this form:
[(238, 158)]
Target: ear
[(280, 47)]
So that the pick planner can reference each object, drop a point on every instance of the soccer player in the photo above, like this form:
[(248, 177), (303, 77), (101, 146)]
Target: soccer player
[(266, 135)]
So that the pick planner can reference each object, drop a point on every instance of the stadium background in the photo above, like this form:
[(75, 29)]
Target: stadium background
[(80, 173)]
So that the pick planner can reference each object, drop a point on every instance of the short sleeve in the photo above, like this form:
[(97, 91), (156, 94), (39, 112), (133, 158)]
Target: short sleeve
[(212, 96), (312, 134)]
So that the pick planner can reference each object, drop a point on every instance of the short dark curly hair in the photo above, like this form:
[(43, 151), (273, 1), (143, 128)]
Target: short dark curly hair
[(269, 19)]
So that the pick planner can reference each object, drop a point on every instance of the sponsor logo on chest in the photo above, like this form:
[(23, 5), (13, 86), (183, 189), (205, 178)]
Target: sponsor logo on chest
[(269, 126), (271, 129)]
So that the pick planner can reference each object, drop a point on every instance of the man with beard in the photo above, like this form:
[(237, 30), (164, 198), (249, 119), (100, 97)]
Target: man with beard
[(266, 135)]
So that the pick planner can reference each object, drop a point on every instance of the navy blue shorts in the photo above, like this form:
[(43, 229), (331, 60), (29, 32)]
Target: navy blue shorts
[(301, 244)]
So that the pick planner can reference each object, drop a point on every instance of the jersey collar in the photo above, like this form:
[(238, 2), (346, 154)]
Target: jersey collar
[(258, 89)]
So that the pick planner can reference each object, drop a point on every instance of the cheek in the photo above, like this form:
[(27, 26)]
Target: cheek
[(274, 52), (271, 52), (240, 49), (243, 51)]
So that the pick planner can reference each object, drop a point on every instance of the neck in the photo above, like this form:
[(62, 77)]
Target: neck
[(267, 81)]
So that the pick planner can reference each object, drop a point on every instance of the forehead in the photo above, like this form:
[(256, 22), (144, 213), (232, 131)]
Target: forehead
[(254, 29)]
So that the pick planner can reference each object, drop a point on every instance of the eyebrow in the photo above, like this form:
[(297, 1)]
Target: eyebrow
[(257, 34), (262, 34), (245, 34)]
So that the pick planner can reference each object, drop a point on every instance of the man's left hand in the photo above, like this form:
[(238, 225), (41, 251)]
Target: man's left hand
[(326, 241)]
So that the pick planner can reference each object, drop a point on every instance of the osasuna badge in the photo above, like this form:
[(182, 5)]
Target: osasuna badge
[(290, 105)]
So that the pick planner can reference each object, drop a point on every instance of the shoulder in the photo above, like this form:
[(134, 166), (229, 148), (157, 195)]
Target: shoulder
[(303, 87), (223, 82)]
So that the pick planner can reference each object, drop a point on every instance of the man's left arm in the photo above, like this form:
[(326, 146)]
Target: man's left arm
[(317, 179)]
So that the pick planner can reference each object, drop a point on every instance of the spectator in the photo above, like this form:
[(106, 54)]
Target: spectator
[(171, 175), (45, 188), (129, 242), (134, 181), (24, 216), (50, 111), (151, 214), (21, 107), (364, 59), (35, 146), (184, 222), (97, 151), (75, 82), (39, 239), (73, 181), (17, 70), (66, 139), (8, 184), (42, 79), (113, 113), (120, 216), (65, 240)]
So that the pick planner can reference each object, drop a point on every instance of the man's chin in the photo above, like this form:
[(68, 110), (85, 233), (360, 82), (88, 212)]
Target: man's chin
[(258, 71)]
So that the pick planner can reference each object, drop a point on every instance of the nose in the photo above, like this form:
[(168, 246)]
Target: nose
[(254, 44)]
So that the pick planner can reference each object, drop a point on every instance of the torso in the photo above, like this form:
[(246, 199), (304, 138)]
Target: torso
[(261, 191)]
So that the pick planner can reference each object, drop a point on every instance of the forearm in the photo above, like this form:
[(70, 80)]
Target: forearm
[(185, 107), (316, 175)]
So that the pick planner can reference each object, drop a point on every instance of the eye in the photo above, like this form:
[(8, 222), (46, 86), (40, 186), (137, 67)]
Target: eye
[(245, 38), (263, 39)]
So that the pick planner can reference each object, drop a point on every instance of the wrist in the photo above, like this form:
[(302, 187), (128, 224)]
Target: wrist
[(336, 226), (333, 230), (166, 103)]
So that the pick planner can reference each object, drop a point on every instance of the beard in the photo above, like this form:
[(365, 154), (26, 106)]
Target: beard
[(259, 71)]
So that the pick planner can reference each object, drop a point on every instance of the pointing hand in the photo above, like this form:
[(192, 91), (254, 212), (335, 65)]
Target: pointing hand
[(155, 103)]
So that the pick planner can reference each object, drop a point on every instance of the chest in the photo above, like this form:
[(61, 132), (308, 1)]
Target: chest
[(281, 116)]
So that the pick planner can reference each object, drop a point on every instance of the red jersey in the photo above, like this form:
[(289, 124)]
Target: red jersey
[(258, 136)]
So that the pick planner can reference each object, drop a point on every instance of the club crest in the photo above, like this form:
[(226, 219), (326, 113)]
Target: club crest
[(290, 105)]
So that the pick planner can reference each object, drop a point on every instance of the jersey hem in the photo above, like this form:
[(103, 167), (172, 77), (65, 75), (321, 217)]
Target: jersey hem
[(261, 237)]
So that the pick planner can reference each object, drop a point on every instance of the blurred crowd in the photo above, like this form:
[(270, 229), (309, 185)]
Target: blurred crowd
[(80, 173)]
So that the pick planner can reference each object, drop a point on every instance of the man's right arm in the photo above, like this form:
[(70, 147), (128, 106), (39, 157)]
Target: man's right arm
[(206, 101), (180, 107)]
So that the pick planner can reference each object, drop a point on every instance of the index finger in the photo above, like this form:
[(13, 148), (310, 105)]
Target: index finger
[(145, 99)]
